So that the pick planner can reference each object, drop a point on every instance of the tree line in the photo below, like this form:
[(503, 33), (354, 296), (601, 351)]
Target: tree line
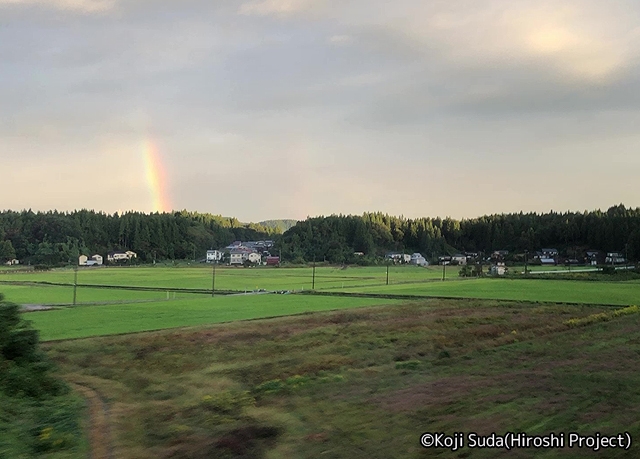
[(60, 237), (55, 238), (338, 238)]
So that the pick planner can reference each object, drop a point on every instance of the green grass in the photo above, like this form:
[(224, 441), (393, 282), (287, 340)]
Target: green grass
[(618, 293), (228, 278), (51, 295), (366, 382), (84, 321)]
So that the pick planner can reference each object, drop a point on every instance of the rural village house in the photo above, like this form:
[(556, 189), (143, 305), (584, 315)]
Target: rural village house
[(96, 259), (419, 260), (121, 256), (239, 255), (214, 255)]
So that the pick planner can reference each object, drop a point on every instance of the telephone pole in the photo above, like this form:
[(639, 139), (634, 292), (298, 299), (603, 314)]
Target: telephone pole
[(75, 283), (387, 273), (213, 280), (313, 278)]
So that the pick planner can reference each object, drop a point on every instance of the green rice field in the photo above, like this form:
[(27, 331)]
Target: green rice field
[(231, 278), (545, 290), (105, 311), (85, 321)]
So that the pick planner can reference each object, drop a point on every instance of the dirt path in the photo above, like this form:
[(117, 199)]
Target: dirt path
[(99, 428)]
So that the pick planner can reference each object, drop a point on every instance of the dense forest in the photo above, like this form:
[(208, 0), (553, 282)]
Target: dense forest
[(337, 237), (57, 238), (54, 238)]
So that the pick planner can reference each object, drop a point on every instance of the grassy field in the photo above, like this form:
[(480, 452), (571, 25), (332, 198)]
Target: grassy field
[(402, 280), (84, 321), (228, 278), (366, 383), (617, 293), (51, 295)]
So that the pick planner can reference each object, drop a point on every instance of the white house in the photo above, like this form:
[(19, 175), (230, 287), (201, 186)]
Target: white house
[(615, 258), (214, 255), (419, 260), (95, 260), (239, 255), (12, 262), (121, 256), (499, 269), (459, 259), (254, 257)]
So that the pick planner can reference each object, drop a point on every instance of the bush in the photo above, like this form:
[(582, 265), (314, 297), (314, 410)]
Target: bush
[(602, 316), (25, 368)]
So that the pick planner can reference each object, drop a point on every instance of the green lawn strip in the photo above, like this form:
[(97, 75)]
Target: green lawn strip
[(115, 319), (622, 293), (46, 294), (228, 278)]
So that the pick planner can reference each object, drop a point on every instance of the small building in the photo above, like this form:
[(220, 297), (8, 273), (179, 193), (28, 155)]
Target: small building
[(498, 269), (547, 261), (120, 256), (239, 255), (97, 258), (358, 254), (398, 257), (82, 260), (459, 259), (418, 260), (12, 262), (254, 257), (273, 261), (549, 253), (236, 257), (594, 257), (615, 258), (214, 255), (444, 260)]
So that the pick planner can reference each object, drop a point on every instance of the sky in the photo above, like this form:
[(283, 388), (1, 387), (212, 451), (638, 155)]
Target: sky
[(263, 109)]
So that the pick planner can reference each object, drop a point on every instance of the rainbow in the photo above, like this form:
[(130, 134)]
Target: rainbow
[(156, 178)]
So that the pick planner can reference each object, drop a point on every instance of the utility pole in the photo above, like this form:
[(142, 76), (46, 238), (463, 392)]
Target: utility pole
[(75, 283), (313, 278), (213, 280), (526, 260), (387, 273), (444, 269)]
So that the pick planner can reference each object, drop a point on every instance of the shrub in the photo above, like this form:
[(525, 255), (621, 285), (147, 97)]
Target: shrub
[(608, 270), (25, 369), (602, 316)]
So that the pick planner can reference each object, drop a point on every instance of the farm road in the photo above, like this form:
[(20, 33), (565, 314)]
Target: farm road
[(99, 428)]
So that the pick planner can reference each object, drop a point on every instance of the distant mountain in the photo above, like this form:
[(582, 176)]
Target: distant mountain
[(279, 225)]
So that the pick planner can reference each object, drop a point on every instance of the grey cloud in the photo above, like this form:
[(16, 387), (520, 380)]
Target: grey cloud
[(440, 89)]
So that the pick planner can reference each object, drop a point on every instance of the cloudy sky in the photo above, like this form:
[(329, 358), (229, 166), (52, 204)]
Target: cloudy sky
[(286, 108)]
